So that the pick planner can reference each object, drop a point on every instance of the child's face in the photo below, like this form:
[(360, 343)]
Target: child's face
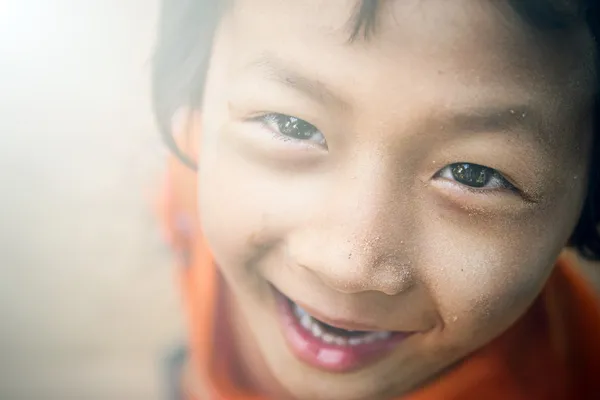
[(358, 209)]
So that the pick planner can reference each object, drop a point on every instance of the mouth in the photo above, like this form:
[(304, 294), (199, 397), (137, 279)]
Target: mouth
[(333, 346)]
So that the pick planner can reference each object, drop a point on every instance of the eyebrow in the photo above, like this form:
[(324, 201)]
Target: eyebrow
[(492, 119), (276, 70), (469, 119)]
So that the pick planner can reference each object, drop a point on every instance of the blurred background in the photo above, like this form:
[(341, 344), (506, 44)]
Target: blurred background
[(87, 296)]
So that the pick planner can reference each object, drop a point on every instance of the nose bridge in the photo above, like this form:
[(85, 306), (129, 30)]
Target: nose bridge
[(362, 234)]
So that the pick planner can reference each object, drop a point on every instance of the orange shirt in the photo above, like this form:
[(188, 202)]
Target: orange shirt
[(552, 352)]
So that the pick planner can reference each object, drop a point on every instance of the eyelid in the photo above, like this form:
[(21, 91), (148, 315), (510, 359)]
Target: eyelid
[(454, 186)]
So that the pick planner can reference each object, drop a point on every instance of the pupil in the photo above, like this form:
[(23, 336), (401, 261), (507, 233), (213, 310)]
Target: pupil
[(471, 174), (296, 128)]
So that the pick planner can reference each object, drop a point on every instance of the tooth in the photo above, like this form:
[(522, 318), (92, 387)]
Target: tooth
[(355, 341), (327, 338), (299, 311), (316, 330), (370, 338), (383, 335), (306, 322), (340, 341)]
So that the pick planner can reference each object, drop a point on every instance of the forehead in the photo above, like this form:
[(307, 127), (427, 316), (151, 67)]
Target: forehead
[(476, 45)]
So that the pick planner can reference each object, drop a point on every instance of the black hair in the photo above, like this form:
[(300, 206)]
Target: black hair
[(183, 47)]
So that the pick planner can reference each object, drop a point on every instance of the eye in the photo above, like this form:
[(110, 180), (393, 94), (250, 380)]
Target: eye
[(475, 176), (293, 128)]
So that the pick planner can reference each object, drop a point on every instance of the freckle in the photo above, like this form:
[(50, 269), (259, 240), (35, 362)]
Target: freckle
[(349, 256)]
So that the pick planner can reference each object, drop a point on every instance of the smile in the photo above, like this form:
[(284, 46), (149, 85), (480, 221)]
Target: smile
[(338, 336), (333, 346)]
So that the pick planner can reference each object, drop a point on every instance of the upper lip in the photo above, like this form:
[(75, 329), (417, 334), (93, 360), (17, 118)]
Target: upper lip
[(347, 324)]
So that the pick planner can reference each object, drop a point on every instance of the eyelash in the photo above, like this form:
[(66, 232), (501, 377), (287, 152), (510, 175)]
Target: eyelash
[(273, 121)]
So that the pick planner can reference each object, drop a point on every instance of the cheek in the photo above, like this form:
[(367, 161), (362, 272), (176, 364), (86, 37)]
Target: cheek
[(246, 211), (484, 275), (233, 211)]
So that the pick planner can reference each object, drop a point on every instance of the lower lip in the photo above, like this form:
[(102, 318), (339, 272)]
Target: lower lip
[(331, 357)]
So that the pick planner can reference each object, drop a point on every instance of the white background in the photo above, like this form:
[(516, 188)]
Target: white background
[(87, 296)]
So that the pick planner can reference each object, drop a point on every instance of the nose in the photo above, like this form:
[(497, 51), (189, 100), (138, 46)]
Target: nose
[(358, 240)]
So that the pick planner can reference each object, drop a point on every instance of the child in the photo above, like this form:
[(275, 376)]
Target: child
[(383, 193)]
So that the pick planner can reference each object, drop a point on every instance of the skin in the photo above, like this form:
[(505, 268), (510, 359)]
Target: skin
[(364, 227)]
